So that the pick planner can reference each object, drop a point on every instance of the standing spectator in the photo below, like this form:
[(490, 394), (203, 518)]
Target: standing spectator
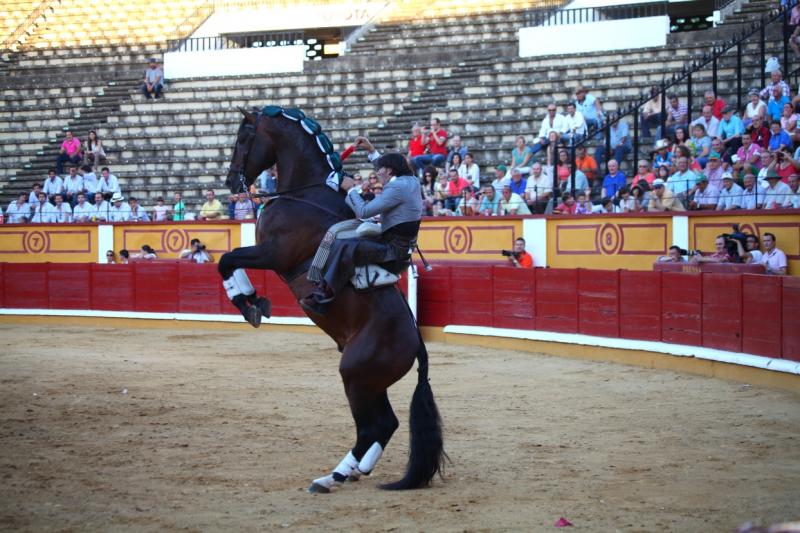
[(212, 208), (776, 77), (93, 150), (53, 184), (575, 123), (779, 140), (730, 196), (753, 196), (153, 82), (775, 103), (415, 145), (651, 112), (83, 210), (585, 163), (489, 202), (138, 214), (108, 184), (520, 258), (731, 129), (776, 193), (706, 196), (43, 212), (773, 259), (748, 155), (677, 117), (717, 104), (90, 184), (511, 203), (759, 133), (456, 147), (755, 108), (700, 144), (101, 208), (243, 208), (614, 180), (709, 122), (62, 212), (119, 211), (73, 184), (178, 209), (538, 189), (553, 122), (70, 151), (18, 211), (589, 107), (793, 200), (160, 210), (620, 142), (713, 170), (521, 157), (663, 199), (469, 171), (436, 141)]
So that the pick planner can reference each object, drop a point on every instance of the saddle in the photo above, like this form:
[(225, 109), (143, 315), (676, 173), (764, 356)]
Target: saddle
[(369, 276)]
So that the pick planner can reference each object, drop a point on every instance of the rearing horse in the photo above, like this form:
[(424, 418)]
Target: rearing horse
[(375, 331)]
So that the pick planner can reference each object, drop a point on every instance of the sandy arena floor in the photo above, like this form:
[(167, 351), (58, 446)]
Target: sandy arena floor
[(224, 429)]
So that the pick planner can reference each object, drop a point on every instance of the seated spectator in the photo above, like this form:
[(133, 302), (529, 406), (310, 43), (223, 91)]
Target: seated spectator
[(160, 210), (455, 163), (775, 104), (731, 129), (501, 178), (768, 163), (784, 165), (714, 171), (70, 151), (706, 195), (752, 254), (119, 211), (700, 144), (620, 142), (554, 146), (456, 147), (212, 209), (153, 82), (575, 123), (268, 183), (146, 253), (553, 122), (455, 185), (73, 184), (512, 203), (730, 196), (469, 171), (585, 163), (538, 189), (651, 113), (568, 205), (197, 253), (789, 122), (683, 180), (680, 139), (627, 202), (596, 191), (415, 145), (124, 257), (720, 254), (677, 116), (62, 212), (641, 193), (440, 187), (178, 210), (521, 157), (138, 214), (33, 197), (468, 204), (755, 108), (564, 173), (776, 79), (111, 257), (584, 206), (663, 199), (429, 176), (759, 133), (490, 201), (779, 139), (435, 140), (676, 254), (517, 183), (793, 199), (753, 196), (108, 183), (18, 211), (643, 173), (717, 104), (90, 183), (53, 185), (101, 208), (243, 208), (663, 155), (777, 191), (748, 156), (83, 210), (614, 180), (709, 122), (93, 150), (773, 259), (43, 212), (519, 258), (589, 107)]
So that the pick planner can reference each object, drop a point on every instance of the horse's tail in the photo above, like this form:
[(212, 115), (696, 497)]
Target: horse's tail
[(426, 455)]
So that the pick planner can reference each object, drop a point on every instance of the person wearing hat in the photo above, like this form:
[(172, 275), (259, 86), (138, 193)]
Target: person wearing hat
[(501, 178), (713, 170), (400, 209), (731, 129), (730, 196), (776, 193), (119, 211), (706, 195), (663, 199), (663, 155), (153, 82)]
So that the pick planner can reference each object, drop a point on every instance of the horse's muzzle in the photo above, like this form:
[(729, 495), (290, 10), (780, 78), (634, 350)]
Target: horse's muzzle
[(235, 183)]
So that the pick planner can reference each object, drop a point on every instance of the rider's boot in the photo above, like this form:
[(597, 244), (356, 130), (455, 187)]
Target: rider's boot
[(317, 302)]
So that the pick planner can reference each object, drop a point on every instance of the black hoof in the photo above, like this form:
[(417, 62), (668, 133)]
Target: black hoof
[(316, 488), (265, 306), (253, 316)]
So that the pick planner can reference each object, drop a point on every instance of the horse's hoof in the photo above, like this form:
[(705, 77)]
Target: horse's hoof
[(265, 306), (253, 316), (316, 488)]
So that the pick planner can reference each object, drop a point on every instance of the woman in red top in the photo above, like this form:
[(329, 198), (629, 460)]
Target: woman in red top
[(644, 173), (435, 141)]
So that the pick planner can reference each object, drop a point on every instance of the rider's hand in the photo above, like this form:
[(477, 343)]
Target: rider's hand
[(347, 183), (362, 141)]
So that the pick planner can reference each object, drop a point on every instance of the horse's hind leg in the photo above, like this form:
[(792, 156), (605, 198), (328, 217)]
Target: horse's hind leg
[(237, 285)]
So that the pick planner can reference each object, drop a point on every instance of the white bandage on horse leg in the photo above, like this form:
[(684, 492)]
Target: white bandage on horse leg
[(238, 284), (370, 458), (326, 482), (346, 467)]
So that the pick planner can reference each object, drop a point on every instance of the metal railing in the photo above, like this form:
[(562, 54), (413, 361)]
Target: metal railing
[(559, 17), (227, 42)]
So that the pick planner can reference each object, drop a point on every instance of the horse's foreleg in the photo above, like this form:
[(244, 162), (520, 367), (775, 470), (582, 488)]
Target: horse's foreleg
[(237, 284)]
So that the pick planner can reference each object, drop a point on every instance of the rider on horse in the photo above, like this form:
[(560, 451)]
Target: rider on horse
[(400, 210)]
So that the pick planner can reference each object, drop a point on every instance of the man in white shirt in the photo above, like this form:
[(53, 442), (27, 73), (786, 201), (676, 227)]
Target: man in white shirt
[(706, 196), (18, 211), (730, 197), (752, 195), (554, 121), (62, 212), (73, 184), (108, 183), (101, 207), (138, 214), (89, 182), (709, 122), (774, 260), (776, 193), (119, 211), (793, 199), (576, 125), (33, 197), (539, 189), (53, 184), (501, 178), (83, 210), (44, 212), (511, 203)]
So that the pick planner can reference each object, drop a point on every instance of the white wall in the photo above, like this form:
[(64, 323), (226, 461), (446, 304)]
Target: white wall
[(233, 62), (593, 36)]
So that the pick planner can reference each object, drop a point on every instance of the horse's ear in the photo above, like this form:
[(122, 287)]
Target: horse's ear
[(247, 114)]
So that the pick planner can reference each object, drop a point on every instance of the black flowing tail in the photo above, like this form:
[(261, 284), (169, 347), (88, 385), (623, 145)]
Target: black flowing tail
[(426, 454)]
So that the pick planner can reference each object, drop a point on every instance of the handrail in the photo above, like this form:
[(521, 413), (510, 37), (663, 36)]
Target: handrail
[(227, 42), (364, 28), (557, 17), (204, 10), (27, 23)]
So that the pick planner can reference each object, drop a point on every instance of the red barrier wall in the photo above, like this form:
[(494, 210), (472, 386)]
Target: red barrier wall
[(790, 334), (761, 315), (513, 296), (598, 302), (722, 312), (433, 300), (68, 285), (681, 308), (25, 285), (640, 305), (557, 300)]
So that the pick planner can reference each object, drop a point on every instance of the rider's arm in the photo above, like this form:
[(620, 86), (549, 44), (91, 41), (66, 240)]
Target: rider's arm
[(390, 197)]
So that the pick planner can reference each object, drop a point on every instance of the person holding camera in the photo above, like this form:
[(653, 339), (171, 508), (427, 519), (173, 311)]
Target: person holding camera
[(721, 253), (518, 257), (197, 253), (676, 254)]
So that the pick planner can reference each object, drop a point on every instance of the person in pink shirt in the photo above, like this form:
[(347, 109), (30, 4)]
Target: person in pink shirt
[(70, 151), (568, 205)]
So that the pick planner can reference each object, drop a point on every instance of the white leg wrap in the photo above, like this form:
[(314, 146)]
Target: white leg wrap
[(238, 284), (370, 458), (346, 467), (326, 481)]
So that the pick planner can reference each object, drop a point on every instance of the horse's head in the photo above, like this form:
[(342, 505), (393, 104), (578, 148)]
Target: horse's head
[(252, 154)]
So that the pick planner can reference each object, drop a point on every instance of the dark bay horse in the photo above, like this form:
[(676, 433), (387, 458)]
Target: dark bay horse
[(375, 331)]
